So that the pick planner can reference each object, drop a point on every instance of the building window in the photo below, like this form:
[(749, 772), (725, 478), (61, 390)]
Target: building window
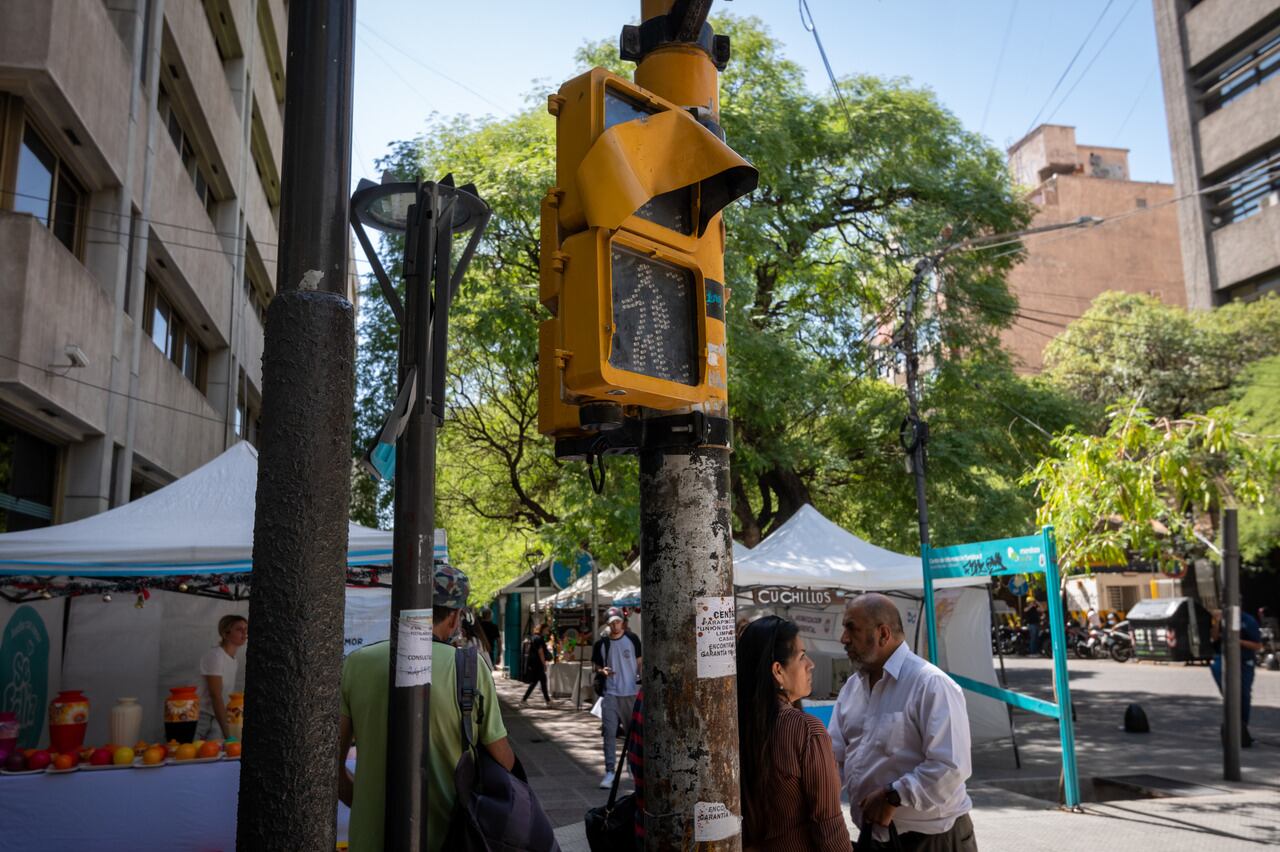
[(1248, 189), (46, 189), (1243, 72), (173, 336), (28, 473), (186, 150)]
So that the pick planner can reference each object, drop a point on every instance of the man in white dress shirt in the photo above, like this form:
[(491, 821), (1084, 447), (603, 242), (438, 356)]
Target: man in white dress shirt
[(900, 733)]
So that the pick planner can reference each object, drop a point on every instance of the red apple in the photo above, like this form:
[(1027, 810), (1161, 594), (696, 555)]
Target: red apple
[(39, 760), (15, 762), (100, 757)]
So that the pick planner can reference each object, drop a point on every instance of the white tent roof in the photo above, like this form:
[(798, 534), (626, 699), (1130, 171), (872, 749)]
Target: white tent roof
[(199, 524), (578, 592), (809, 550)]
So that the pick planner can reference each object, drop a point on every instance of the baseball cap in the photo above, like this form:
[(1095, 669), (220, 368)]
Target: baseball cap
[(451, 587), (614, 614)]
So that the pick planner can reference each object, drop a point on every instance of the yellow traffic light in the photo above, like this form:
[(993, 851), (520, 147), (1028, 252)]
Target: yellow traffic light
[(632, 254)]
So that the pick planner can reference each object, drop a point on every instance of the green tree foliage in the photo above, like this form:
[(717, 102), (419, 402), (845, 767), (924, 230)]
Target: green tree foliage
[(1175, 362), (818, 262), (1257, 404), (1149, 484)]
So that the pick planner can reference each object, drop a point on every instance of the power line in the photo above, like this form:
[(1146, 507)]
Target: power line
[(219, 420), (1004, 43), (1137, 100), (812, 27), (1085, 72), (1070, 64), (416, 61)]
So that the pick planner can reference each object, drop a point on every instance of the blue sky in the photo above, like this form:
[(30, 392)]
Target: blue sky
[(481, 57)]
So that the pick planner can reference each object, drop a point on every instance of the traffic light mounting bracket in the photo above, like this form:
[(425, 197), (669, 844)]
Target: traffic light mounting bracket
[(672, 431)]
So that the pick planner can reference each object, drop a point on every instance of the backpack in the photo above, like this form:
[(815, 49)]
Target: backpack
[(1135, 720), (496, 811)]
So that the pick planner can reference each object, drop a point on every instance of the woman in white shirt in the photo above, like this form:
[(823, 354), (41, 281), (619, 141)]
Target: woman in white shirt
[(218, 669)]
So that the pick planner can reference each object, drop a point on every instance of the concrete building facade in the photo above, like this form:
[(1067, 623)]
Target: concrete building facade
[(140, 146), (1220, 63), (1136, 252)]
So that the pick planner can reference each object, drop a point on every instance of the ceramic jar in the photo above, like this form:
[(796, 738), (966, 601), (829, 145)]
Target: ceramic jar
[(181, 713), (68, 720), (126, 721), (235, 714)]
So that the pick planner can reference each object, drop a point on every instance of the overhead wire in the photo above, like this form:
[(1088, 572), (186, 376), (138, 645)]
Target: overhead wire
[(1094, 59), (418, 61), (1070, 65), (812, 27), (1132, 107), (995, 78)]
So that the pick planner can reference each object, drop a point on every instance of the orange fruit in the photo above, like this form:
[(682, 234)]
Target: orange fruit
[(155, 754), (64, 761), (186, 751), (233, 749), (210, 749)]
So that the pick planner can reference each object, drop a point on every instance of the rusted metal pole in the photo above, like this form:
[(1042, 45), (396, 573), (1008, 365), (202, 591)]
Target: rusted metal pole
[(692, 798), (288, 788)]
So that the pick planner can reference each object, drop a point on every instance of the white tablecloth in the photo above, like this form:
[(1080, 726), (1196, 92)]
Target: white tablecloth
[(171, 808), (562, 676)]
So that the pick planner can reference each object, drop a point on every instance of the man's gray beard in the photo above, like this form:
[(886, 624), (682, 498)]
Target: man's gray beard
[(858, 665)]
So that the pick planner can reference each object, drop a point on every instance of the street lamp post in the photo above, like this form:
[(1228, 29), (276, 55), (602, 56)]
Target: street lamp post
[(429, 215)]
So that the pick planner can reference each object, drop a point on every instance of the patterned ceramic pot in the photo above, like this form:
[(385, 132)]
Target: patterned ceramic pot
[(235, 714), (181, 713), (68, 720)]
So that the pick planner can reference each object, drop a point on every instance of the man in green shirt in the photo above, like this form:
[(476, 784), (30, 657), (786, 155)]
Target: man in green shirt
[(365, 678)]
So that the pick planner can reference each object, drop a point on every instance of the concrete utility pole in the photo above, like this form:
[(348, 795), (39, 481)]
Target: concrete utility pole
[(288, 788), (692, 797), (1230, 636)]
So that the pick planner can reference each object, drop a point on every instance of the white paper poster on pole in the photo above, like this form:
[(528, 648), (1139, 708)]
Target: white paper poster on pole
[(714, 821), (714, 622), (413, 648)]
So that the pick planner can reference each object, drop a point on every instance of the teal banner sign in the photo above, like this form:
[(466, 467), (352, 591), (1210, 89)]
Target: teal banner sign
[(1024, 555), (24, 673)]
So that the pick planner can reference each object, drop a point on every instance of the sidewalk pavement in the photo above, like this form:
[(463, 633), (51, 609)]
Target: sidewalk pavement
[(561, 751)]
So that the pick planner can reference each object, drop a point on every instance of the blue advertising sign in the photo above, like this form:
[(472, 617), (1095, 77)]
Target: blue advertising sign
[(989, 558), (1033, 554)]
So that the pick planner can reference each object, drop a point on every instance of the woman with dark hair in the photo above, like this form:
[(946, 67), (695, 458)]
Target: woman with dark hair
[(790, 787)]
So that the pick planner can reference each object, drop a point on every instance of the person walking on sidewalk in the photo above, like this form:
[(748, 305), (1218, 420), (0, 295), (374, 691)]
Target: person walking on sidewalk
[(900, 734), (1250, 645), (536, 663), (617, 657)]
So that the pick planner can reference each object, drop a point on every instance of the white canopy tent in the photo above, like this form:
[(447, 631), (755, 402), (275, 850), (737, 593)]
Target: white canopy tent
[(199, 524), (109, 646), (811, 552)]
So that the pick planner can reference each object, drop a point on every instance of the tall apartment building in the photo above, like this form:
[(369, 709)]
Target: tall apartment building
[(1065, 270), (1220, 60), (140, 145)]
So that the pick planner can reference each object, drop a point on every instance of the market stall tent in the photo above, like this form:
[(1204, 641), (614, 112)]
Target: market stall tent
[(201, 524), (811, 552)]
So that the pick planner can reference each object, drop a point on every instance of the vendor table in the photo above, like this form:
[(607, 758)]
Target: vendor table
[(172, 807), (562, 676)]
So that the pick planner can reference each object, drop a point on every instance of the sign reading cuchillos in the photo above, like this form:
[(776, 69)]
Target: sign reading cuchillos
[(790, 596)]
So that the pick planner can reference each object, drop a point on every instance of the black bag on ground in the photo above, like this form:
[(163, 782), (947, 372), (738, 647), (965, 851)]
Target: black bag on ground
[(496, 810), (1135, 720), (612, 826)]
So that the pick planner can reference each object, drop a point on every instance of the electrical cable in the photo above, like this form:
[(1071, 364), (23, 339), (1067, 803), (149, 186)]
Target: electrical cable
[(1137, 100), (812, 27), (1070, 64), (416, 61), (219, 420), (1004, 43), (1085, 72)]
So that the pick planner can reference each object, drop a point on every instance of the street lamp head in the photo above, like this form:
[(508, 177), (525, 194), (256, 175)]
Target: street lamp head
[(385, 206)]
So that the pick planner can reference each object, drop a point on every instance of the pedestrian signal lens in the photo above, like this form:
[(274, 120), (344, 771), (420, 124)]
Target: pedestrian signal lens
[(655, 326)]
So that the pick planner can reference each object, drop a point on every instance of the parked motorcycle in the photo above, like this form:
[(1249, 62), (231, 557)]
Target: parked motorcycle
[(1119, 642)]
